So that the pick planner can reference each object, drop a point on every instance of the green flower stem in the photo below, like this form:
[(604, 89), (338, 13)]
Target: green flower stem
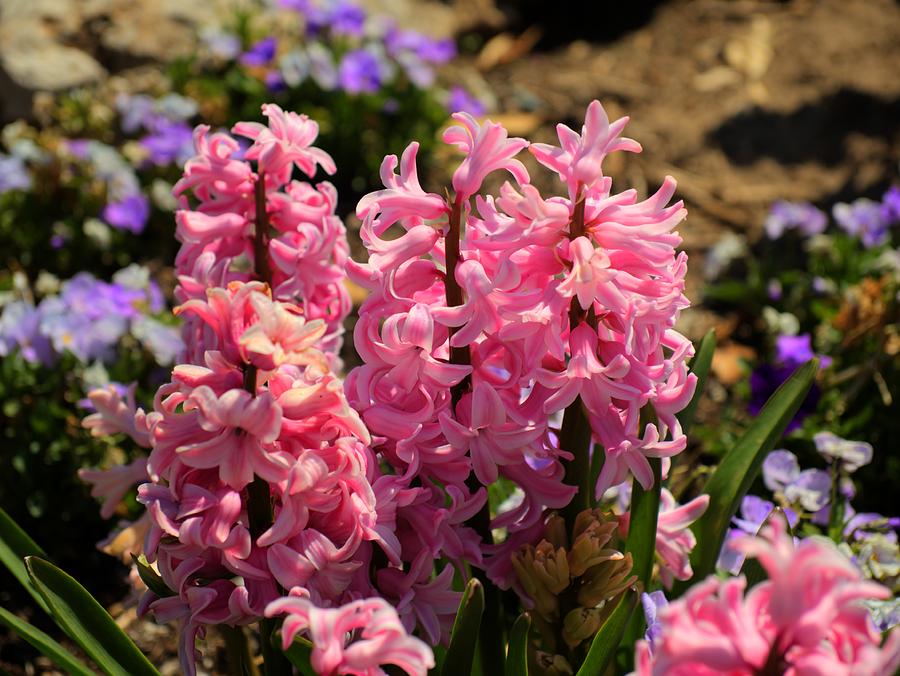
[(237, 650)]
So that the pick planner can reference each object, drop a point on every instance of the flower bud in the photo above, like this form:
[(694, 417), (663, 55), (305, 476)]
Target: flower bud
[(551, 567), (552, 665), (590, 535), (605, 581), (545, 602), (581, 624)]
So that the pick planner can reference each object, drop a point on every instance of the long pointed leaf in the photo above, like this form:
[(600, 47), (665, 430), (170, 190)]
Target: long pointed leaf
[(86, 622), (45, 644), (150, 577), (461, 652), (699, 366), (298, 654), (603, 647), (517, 651), (732, 478), (15, 545), (641, 541)]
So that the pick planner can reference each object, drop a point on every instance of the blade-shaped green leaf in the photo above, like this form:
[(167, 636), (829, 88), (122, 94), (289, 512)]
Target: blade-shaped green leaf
[(603, 647), (731, 480), (150, 577), (46, 645), (699, 366), (15, 545), (517, 651), (298, 654), (86, 622), (461, 652), (641, 541)]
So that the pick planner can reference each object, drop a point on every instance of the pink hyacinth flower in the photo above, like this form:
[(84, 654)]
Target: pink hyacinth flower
[(356, 638), (287, 139), (488, 148), (579, 159), (806, 619), (112, 484)]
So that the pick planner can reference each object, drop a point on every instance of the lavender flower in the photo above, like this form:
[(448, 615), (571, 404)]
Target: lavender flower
[(347, 19), (890, 205), (462, 101), (163, 341), (168, 141), (13, 174), (754, 512), (397, 41), (851, 454), (811, 489), (779, 469), (20, 329), (864, 219), (651, 604), (801, 216), (261, 53), (361, 70), (129, 213), (135, 111), (221, 44)]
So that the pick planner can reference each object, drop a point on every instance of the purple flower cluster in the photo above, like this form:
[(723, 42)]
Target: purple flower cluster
[(791, 352), (807, 494), (88, 318), (801, 216), (168, 137)]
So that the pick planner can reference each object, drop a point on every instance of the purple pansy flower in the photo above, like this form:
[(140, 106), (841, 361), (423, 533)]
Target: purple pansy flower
[(779, 469), (462, 101), (864, 218), (20, 329), (129, 213), (261, 53), (890, 205), (651, 604), (360, 71), (347, 19), (851, 454), (169, 141), (801, 216)]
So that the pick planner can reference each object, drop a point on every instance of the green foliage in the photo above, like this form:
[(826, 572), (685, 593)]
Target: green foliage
[(45, 644), (86, 622), (517, 650), (607, 640), (732, 478), (464, 637)]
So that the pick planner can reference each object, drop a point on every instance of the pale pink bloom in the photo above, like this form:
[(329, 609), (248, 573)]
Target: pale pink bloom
[(112, 484), (281, 336), (286, 140), (356, 638), (312, 561), (487, 148), (674, 539), (579, 159), (403, 199), (590, 270), (116, 415), (233, 430), (805, 619), (221, 183)]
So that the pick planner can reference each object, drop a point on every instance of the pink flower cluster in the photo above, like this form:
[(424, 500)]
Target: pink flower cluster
[(487, 317), (805, 619), (223, 202), (261, 477)]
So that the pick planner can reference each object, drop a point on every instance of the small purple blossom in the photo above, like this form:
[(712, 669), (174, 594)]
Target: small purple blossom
[(801, 216), (864, 219), (221, 44), (851, 454), (129, 213), (462, 101), (812, 489), (651, 603), (261, 53), (20, 329), (347, 18), (754, 513), (428, 49), (169, 141), (360, 71), (890, 205), (779, 469), (13, 174)]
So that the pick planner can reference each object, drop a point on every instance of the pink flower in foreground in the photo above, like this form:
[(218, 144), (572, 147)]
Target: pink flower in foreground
[(286, 140), (806, 619), (487, 148), (356, 638)]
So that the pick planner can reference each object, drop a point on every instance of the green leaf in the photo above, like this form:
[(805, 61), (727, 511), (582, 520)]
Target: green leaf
[(150, 577), (732, 478), (700, 365), (517, 650), (299, 654), (603, 647), (46, 645), (15, 545), (641, 541), (461, 652), (86, 622)]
